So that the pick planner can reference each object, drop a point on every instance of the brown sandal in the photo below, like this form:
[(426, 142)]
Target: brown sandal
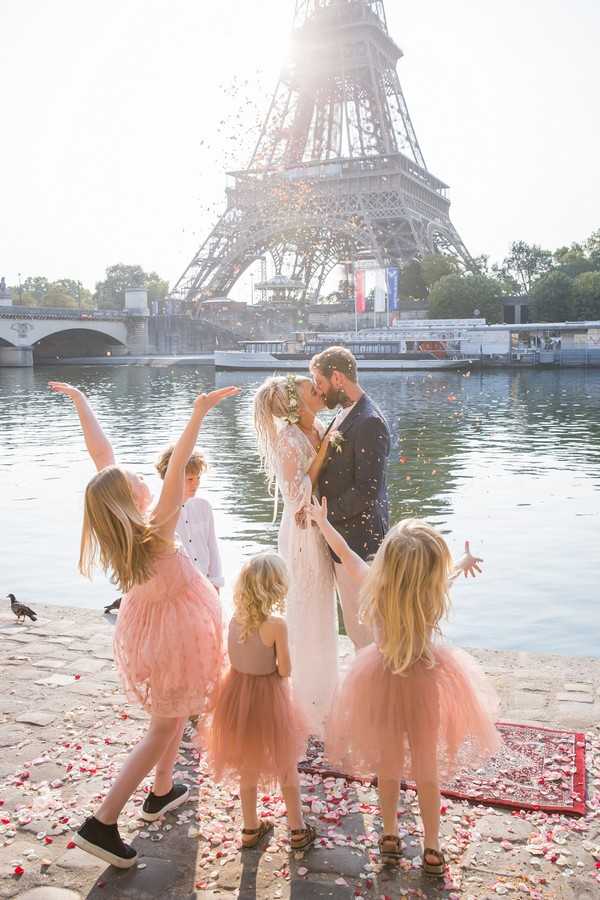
[(257, 834), (393, 854), (303, 837), (436, 869)]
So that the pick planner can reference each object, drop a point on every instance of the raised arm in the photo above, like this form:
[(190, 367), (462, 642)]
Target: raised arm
[(467, 565), (372, 448), (356, 567), (171, 495), (98, 445), (319, 460)]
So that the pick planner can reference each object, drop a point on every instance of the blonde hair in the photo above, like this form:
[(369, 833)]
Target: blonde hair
[(196, 464), (271, 408), (260, 590), (405, 594), (115, 534)]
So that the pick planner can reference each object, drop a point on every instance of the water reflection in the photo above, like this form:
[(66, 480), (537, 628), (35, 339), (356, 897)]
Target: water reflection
[(508, 459)]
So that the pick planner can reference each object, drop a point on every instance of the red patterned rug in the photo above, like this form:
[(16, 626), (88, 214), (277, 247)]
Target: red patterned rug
[(537, 769)]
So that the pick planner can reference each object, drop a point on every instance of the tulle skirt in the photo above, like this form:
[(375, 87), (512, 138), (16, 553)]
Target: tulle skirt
[(408, 726), (257, 728), (168, 641)]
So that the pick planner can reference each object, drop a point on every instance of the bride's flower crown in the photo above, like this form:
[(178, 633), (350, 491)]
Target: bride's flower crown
[(293, 416)]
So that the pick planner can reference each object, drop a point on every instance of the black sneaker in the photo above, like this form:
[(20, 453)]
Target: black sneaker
[(104, 841), (154, 807)]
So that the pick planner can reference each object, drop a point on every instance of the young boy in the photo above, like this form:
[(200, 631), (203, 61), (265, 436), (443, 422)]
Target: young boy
[(196, 525)]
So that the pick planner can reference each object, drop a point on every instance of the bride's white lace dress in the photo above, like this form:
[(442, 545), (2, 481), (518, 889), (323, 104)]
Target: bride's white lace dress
[(311, 608)]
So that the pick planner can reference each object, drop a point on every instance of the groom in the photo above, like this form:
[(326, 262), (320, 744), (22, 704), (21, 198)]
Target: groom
[(353, 475)]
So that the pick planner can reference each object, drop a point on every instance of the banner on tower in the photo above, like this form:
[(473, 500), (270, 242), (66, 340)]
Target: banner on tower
[(359, 291), (392, 278)]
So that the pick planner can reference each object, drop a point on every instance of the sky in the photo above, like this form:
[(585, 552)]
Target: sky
[(121, 117)]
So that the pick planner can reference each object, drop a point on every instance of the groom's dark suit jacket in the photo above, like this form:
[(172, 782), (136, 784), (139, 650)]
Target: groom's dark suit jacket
[(354, 479)]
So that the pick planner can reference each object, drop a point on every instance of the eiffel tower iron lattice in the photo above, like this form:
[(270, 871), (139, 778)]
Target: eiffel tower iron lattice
[(337, 172)]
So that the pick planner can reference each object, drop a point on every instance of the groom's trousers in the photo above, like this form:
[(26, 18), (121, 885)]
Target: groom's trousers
[(348, 592)]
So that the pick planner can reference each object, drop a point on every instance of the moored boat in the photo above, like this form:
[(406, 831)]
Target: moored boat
[(376, 352)]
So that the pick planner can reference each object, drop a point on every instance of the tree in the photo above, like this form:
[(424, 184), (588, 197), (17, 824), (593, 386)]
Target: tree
[(587, 296), (412, 284), (592, 247), (110, 293), (458, 296), (553, 298), (525, 264), (435, 265), (572, 261), (64, 293)]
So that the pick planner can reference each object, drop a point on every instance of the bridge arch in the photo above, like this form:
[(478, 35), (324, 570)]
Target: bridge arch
[(72, 341)]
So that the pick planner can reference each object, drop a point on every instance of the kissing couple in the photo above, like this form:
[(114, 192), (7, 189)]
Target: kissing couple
[(344, 463)]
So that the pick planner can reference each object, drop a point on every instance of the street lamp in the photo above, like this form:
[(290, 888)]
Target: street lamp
[(20, 290), (252, 288)]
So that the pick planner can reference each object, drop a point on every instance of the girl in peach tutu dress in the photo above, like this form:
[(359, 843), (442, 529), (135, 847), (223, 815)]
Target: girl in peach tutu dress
[(410, 706), (258, 732), (168, 640)]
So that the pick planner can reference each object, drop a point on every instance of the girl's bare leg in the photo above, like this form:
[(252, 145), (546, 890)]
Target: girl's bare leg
[(290, 789), (429, 804), (389, 791), (163, 774), (428, 789), (248, 799), (140, 761)]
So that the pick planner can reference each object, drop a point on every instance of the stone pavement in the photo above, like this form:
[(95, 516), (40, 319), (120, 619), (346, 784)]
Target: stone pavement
[(65, 728)]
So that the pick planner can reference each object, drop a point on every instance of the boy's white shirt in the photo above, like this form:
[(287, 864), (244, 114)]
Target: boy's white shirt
[(196, 530)]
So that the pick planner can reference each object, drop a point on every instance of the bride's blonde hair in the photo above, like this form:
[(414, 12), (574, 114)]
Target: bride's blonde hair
[(405, 594), (260, 590), (115, 534), (271, 409)]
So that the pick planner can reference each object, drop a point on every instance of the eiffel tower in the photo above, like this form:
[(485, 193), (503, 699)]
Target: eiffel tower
[(337, 173)]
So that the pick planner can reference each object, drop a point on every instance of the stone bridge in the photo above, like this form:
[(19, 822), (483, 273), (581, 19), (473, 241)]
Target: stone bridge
[(36, 334)]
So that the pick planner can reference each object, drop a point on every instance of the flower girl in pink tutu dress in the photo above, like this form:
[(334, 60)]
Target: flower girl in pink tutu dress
[(410, 706), (258, 732), (168, 640)]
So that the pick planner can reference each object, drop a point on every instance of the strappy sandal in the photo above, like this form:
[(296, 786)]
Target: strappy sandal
[(436, 869), (256, 834), (392, 854), (303, 837)]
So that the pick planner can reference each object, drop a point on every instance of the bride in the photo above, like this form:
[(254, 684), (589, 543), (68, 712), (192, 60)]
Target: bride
[(293, 448)]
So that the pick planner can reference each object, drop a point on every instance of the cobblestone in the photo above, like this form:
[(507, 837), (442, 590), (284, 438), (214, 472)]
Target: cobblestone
[(195, 853)]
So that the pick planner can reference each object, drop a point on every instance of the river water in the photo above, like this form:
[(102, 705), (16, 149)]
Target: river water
[(510, 460)]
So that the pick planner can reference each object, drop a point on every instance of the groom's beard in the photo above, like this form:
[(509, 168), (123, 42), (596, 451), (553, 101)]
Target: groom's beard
[(335, 397)]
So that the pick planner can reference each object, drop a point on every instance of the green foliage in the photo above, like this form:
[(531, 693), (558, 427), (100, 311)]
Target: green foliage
[(434, 266), (65, 293), (458, 296), (524, 265), (552, 298), (586, 291), (412, 284), (572, 261), (110, 293), (592, 247)]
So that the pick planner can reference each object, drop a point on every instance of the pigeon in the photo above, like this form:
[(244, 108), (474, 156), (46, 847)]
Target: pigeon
[(113, 607), (20, 610)]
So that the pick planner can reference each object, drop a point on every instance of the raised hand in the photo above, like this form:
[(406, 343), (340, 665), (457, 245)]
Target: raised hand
[(317, 512), (61, 387), (469, 563), (205, 402)]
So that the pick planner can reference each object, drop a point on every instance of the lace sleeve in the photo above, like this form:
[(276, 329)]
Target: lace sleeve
[(292, 466)]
